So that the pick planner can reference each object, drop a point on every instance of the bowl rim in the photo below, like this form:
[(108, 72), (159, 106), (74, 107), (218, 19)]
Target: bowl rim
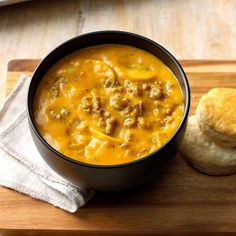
[(118, 32)]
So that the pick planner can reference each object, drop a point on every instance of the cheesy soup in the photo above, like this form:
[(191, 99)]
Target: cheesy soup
[(108, 104)]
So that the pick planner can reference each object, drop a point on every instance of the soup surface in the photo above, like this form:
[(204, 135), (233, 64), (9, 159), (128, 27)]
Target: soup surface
[(108, 104)]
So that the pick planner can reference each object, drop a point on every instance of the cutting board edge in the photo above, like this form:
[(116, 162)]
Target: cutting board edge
[(189, 63)]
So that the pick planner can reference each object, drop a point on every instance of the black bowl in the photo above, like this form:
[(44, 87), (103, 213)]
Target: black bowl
[(112, 177)]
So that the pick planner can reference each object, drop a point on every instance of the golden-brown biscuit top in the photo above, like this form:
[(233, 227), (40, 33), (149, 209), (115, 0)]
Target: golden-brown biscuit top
[(219, 109)]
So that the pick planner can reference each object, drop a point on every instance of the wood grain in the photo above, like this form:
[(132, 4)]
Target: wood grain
[(202, 29), (180, 201)]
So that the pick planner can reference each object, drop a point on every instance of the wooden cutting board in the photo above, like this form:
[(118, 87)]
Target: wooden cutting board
[(181, 200)]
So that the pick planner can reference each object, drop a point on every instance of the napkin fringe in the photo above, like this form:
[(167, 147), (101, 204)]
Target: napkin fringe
[(13, 93), (21, 188)]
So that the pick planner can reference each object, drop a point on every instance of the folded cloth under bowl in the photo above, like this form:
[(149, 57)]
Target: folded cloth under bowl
[(21, 166)]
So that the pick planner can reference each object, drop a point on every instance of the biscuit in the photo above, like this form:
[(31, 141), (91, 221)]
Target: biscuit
[(204, 154), (216, 115)]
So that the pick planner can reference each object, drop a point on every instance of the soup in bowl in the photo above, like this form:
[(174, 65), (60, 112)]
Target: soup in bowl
[(108, 104), (108, 115)]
